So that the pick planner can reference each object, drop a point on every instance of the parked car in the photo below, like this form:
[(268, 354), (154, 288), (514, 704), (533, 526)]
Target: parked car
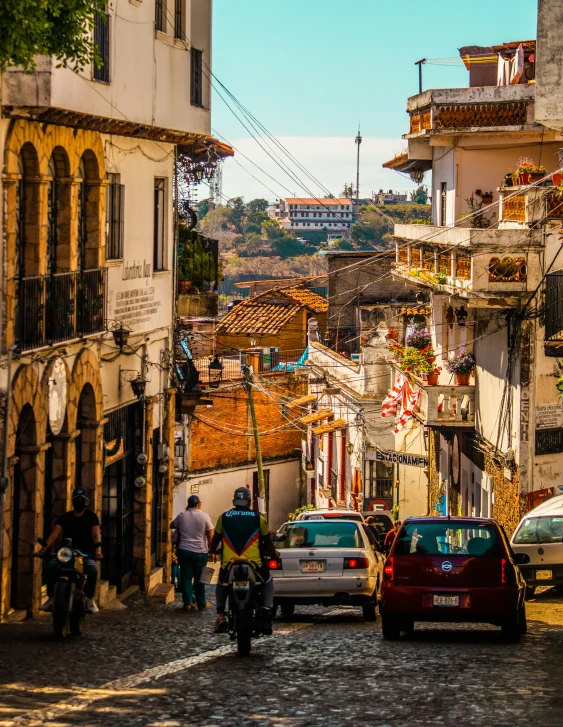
[(331, 514), (328, 562), (540, 536), (454, 570)]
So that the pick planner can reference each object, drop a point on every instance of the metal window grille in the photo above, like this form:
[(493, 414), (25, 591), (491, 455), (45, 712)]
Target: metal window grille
[(549, 441), (101, 39), (196, 90), (179, 19), (554, 305), (159, 219), (160, 15), (115, 218)]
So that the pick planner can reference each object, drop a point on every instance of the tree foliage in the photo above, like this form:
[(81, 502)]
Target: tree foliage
[(376, 224), (59, 28), (420, 195)]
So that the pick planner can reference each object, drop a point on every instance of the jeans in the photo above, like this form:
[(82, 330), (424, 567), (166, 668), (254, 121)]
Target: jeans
[(90, 569), (191, 564), (222, 592)]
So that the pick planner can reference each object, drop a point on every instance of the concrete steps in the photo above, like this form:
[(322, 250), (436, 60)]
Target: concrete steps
[(163, 593)]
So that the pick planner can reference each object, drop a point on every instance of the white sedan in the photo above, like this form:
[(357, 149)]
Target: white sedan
[(327, 562)]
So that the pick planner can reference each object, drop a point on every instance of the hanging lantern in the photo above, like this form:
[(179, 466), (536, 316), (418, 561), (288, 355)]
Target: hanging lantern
[(461, 315), (215, 372), (139, 385)]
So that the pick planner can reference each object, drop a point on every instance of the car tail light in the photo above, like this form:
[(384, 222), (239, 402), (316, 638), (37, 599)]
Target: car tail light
[(356, 563), (388, 570), (508, 575), (274, 564)]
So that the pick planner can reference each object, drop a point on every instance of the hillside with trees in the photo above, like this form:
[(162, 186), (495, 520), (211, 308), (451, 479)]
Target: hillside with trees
[(254, 246)]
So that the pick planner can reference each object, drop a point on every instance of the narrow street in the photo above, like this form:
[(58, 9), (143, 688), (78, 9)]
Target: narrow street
[(156, 665)]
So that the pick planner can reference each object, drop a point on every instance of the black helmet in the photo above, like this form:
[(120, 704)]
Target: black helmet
[(241, 498), (80, 493)]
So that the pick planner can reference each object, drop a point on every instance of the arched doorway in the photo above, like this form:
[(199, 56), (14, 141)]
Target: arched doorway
[(24, 511)]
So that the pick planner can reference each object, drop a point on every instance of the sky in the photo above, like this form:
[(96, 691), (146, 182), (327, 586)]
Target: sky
[(310, 71)]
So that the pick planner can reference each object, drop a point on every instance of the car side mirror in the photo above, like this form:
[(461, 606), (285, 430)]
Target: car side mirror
[(521, 558)]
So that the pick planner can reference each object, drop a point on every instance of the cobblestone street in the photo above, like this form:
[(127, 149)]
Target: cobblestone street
[(156, 665)]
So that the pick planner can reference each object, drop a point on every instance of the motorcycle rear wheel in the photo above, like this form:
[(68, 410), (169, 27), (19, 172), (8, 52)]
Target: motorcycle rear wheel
[(244, 632), (77, 622)]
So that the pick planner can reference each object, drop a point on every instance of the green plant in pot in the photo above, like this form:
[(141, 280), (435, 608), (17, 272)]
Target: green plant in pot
[(413, 361), (432, 377)]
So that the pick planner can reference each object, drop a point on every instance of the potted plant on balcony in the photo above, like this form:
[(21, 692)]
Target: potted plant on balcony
[(486, 197), (419, 338), (557, 178), (528, 171), (428, 353), (432, 378), (392, 334), (462, 364)]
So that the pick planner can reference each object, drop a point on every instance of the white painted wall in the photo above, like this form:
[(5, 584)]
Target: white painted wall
[(150, 72), (216, 490), (413, 482)]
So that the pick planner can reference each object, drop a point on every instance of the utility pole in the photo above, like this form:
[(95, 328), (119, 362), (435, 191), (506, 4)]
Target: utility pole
[(420, 64), (248, 383), (358, 142)]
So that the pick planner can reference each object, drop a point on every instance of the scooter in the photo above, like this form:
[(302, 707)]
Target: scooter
[(69, 607)]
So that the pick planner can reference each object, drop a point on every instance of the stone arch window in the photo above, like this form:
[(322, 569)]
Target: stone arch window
[(86, 424), (507, 270), (58, 213), (23, 511), (90, 238)]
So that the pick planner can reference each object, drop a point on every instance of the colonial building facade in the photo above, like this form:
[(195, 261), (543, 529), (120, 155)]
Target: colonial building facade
[(89, 188)]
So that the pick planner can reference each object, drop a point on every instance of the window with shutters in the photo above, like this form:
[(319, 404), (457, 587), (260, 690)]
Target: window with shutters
[(196, 91), (101, 40), (159, 260), (179, 19), (115, 201), (160, 15)]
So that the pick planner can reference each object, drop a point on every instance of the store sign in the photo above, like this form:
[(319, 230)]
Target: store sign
[(549, 416), (384, 455)]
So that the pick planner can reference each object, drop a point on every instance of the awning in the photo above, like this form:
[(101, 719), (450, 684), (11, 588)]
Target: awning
[(317, 416), (302, 401), (330, 427)]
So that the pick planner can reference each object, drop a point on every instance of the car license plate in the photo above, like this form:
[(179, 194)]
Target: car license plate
[(544, 575), (445, 601), (312, 566), (241, 585)]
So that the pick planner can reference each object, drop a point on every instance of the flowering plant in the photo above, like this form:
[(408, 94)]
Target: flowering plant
[(461, 363), (419, 338), (526, 164), (396, 349), (413, 361)]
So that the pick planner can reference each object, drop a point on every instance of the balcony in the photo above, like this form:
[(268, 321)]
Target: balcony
[(61, 307), (486, 108), (521, 207), (489, 268), (443, 407)]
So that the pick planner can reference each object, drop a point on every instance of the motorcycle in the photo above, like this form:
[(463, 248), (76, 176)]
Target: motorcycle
[(244, 613), (69, 607)]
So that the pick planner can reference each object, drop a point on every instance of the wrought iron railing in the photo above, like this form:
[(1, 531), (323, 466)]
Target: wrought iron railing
[(261, 362), (55, 308), (102, 41)]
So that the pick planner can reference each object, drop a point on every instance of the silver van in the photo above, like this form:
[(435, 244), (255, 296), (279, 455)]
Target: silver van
[(540, 536)]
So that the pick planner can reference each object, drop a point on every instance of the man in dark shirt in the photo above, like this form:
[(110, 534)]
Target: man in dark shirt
[(82, 526)]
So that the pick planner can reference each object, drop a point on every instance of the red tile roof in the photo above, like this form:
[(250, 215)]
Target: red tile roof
[(268, 313)]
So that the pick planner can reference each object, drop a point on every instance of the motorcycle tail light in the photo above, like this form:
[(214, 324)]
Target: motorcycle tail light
[(274, 564), (64, 555), (356, 563), (388, 570)]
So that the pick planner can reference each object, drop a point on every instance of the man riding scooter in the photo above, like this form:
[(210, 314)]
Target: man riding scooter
[(82, 526), (246, 536)]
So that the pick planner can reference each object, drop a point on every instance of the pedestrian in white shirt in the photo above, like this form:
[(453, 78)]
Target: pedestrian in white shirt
[(195, 531)]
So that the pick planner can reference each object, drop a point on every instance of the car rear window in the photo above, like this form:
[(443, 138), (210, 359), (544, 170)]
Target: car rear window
[(447, 538), (548, 529), (319, 534)]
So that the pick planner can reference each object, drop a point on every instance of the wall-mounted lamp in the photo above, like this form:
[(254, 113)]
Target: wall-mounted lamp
[(252, 342), (461, 315), (138, 386), (350, 448), (120, 334), (215, 372)]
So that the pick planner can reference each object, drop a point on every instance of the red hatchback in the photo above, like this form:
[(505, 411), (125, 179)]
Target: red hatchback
[(452, 569)]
